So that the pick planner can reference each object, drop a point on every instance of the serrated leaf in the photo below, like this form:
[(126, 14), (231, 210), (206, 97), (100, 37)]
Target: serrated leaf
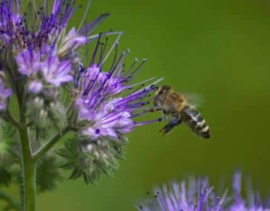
[(5, 176), (77, 172), (11, 203), (68, 165), (48, 173), (63, 153)]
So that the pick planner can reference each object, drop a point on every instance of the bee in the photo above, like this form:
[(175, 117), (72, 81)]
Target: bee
[(174, 104)]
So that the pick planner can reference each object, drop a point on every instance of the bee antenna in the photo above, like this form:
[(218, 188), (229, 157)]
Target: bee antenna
[(154, 87)]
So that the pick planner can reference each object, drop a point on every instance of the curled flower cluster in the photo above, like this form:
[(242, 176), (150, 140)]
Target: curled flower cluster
[(60, 89), (198, 195)]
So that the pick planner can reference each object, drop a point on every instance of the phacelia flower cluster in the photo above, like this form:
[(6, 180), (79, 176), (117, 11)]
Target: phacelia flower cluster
[(198, 195), (65, 82)]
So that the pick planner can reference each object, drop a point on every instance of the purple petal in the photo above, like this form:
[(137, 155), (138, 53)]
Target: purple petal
[(56, 72), (2, 105), (28, 62), (35, 87)]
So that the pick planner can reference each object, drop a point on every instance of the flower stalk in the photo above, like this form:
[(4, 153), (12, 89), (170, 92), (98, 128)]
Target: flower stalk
[(28, 166), (29, 186), (47, 146)]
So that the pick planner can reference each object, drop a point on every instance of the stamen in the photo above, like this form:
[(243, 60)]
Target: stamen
[(102, 51), (139, 114), (89, 28), (138, 68), (92, 61), (94, 37), (85, 14), (114, 58), (136, 60), (45, 5), (149, 122), (116, 42), (150, 86), (118, 66), (35, 8)]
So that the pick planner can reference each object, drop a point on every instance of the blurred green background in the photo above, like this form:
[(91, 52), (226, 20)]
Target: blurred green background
[(219, 49)]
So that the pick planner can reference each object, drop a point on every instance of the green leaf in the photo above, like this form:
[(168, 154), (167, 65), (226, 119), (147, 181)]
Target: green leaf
[(5, 176), (11, 203), (76, 173), (48, 173), (9, 146)]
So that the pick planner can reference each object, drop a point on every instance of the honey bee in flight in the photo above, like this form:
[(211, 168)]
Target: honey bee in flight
[(176, 105)]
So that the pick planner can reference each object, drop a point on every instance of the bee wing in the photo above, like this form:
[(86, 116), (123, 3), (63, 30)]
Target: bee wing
[(175, 98), (195, 99)]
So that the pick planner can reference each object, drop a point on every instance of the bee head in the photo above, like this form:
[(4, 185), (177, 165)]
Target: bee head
[(161, 94), (163, 90)]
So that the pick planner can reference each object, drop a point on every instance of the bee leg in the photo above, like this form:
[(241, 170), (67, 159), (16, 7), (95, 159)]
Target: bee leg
[(167, 128), (153, 109), (165, 117)]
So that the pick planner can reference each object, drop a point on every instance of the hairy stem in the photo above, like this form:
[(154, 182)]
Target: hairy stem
[(9, 118), (28, 163), (28, 168), (46, 147)]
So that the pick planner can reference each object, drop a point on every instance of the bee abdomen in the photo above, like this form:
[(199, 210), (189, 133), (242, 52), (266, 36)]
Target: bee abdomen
[(192, 118)]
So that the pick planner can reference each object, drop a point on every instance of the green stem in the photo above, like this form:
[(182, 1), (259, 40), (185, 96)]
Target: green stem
[(46, 147), (28, 163), (29, 187), (29, 177), (9, 118)]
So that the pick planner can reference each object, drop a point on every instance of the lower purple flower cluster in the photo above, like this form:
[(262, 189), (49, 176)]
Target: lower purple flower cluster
[(198, 195)]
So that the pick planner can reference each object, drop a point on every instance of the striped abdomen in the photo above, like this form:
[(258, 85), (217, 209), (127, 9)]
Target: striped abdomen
[(194, 120)]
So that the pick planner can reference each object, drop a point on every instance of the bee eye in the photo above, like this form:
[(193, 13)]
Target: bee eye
[(161, 92)]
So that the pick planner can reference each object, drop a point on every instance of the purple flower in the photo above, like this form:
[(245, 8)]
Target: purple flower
[(35, 86), (56, 72), (10, 20), (108, 123), (49, 27), (197, 195), (4, 94), (253, 201), (107, 99), (18, 32), (107, 102), (71, 41), (28, 62), (192, 195), (99, 101)]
